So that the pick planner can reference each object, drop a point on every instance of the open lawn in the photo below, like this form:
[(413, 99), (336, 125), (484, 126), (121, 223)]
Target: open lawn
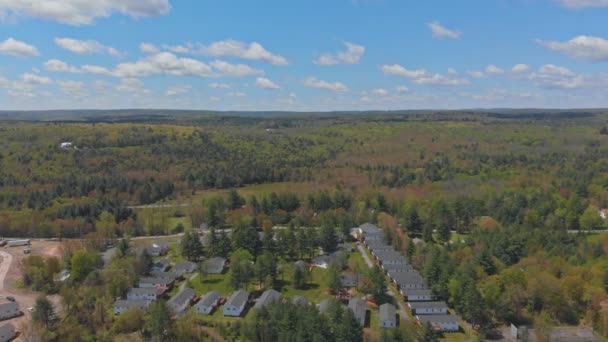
[(211, 282), (314, 290)]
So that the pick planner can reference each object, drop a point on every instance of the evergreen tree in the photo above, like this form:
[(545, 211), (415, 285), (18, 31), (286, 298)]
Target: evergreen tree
[(45, 313), (146, 261), (328, 239), (299, 278), (159, 325), (334, 283), (191, 246)]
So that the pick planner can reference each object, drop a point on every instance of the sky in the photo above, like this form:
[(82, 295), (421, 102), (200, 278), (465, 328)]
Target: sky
[(303, 55)]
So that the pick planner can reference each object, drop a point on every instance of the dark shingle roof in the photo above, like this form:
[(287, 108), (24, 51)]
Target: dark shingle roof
[(182, 297), (387, 312), (238, 298), (132, 304), (358, 307), (209, 298), (424, 305), (435, 319), (268, 297)]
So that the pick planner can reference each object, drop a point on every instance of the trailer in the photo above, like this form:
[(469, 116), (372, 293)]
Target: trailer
[(16, 243)]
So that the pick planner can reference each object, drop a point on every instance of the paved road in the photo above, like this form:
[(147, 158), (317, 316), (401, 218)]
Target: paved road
[(7, 259), (389, 289)]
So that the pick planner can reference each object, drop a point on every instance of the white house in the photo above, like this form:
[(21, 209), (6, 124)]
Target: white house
[(66, 145), (158, 248), (388, 316), (209, 302), (446, 323), (428, 308), (418, 295), (235, 305), (180, 302)]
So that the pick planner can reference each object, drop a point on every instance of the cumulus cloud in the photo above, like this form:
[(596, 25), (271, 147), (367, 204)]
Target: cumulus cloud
[(581, 47), (553, 76), (519, 68), (132, 85), (17, 48), (72, 88), (402, 89), (35, 79), (477, 74), (439, 31), (380, 92), (178, 89), (57, 65), (320, 84), (494, 70), (219, 85), (266, 83), (86, 47), (79, 12), (422, 76), (235, 70), (235, 48), (148, 48), (352, 55), (579, 4)]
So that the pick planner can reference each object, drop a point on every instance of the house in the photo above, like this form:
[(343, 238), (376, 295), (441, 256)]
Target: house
[(180, 302), (121, 305), (184, 267), (158, 248), (167, 275), (390, 258), (7, 332), (268, 297), (299, 300), (428, 308), (446, 323), (368, 228), (209, 302), (163, 283), (348, 279), (418, 295), (393, 270), (410, 280), (62, 276), (359, 309), (9, 310), (378, 246), (235, 305), (214, 265), (149, 293), (388, 316), (323, 261), (161, 265)]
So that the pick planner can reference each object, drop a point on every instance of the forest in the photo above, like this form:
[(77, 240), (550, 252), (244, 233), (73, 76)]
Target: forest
[(500, 212)]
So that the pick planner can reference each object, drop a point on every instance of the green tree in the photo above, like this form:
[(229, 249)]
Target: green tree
[(83, 262), (44, 312), (590, 219), (411, 220), (333, 278), (299, 277), (191, 246), (328, 239), (159, 325)]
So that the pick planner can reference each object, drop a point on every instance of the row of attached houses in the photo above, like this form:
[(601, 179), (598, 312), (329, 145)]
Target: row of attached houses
[(408, 281)]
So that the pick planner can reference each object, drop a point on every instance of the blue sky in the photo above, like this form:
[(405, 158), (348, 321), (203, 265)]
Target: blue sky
[(303, 55)]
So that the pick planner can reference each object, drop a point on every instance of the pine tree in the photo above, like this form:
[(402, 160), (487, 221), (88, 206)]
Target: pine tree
[(328, 239), (44, 313)]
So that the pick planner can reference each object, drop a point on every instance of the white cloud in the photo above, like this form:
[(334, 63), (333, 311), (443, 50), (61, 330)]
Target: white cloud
[(219, 85), (579, 4), (148, 48), (399, 70), (131, 85), (35, 79), (477, 74), (519, 68), (235, 70), (581, 47), (179, 48), (178, 89), (380, 92), (352, 55), (17, 48), (320, 84), (553, 76), (452, 71), (95, 69), (234, 48), (266, 83), (86, 47), (72, 88), (83, 12), (56, 65), (163, 63), (421, 76), (494, 70), (440, 31), (237, 94), (402, 89)]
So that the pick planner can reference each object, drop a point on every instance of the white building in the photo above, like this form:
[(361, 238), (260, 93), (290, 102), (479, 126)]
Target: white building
[(209, 302)]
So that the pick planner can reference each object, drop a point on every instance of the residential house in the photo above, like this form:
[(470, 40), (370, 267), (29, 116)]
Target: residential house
[(411, 280), (418, 295), (9, 310), (161, 265), (122, 305), (184, 267), (446, 323), (359, 309), (209, 302), (7, 332), (348, 279), (149, 293), (214, 265), (299, 300), (235, 305), (268, 297), (323, 261), (390, 258), (428, 308), (388, 316), (391, 269), (158, 248), (180, 302), (368, 228), (168, 275), (163, 283)]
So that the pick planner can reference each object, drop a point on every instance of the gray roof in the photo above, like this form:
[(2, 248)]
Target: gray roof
[(424, 305), (209, 298), (418, 292), (436, 319), (393, 269), (368, 228), (8, 331), (215, 264), (358, 307), (387, 312), (238, 298), (388, 255), (301, 264), (132, 304), (185, 267), (145, 290), (155, 280), (299, 300), (268, 297), (168, 275), (182, 297), (9, 306), (160, 244), (325, 259), (408, 278)]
